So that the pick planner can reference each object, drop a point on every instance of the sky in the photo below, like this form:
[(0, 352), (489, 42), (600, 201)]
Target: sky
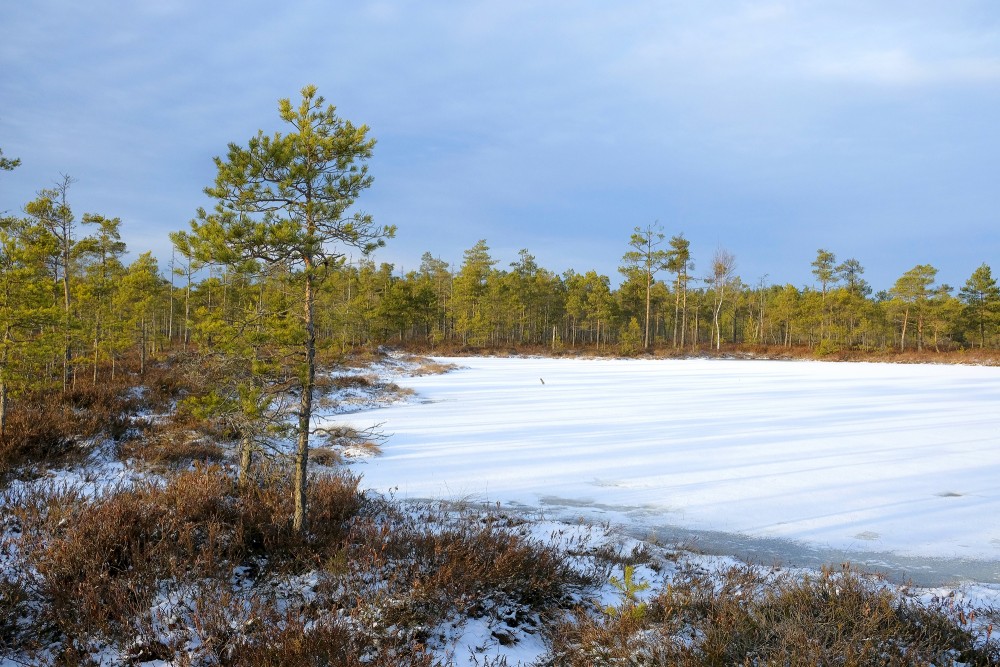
[(768, 129)]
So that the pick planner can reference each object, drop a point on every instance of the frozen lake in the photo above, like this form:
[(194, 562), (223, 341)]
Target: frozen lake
[(893, 466)]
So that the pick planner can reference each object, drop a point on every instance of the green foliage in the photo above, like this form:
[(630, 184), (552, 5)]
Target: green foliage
[(27, 311), (981, 298), (643, 262), (824, 268), (631, 338), (284, 200), (8, 164), (910, 297), (628, 589)]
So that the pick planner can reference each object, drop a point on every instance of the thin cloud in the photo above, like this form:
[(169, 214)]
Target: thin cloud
[(900, 68)]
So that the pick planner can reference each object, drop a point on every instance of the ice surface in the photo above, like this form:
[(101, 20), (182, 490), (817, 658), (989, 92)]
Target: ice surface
[(855, 457)]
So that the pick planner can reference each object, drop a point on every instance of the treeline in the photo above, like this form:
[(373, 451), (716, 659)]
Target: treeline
[(481, 304), (70, 306)]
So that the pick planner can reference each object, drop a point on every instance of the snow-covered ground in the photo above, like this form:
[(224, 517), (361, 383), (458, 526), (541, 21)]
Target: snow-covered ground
[(893, 465)]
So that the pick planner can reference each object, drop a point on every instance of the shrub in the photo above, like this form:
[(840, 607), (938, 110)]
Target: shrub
[(293, 642), (746, 617), (96, 563), (438, 567)]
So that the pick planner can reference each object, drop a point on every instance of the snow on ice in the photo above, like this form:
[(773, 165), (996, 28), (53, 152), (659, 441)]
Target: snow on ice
[(838, 458)]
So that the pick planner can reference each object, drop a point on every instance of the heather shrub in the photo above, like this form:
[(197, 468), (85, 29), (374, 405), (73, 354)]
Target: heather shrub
[(474, 565), (96, 562), (746, 617)]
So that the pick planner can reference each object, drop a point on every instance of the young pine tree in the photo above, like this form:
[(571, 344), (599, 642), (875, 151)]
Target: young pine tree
[(285, 199)]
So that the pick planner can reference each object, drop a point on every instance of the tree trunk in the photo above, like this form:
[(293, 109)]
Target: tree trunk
[(902, 336), (3, 408), (97, 348), (305, 405), (649, 289), (68, 339), (246, 460), (684, 307), (677, 307), (697, 319)]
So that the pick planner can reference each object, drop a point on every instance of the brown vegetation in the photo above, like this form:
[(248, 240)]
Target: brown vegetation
[(750, 617), (197, 568)]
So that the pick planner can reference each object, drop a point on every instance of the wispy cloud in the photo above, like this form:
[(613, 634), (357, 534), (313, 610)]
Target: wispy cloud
[(535, 121), (898, 67)]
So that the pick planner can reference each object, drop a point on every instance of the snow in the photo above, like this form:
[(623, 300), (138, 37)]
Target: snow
[(896, 463)]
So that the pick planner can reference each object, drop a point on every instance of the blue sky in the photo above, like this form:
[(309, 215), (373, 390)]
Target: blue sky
[(770, 129)]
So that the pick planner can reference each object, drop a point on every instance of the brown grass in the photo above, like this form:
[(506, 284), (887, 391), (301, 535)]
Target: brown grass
[(427, 366), (173, 449), (438, 566), (51, 429), (292, 641), (750, 618), (95, 563)]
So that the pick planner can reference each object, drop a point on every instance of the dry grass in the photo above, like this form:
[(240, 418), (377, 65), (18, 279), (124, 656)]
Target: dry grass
[(94, 565), (425, 366), (203, 571), (293, 641), (51, 429), (472, 565), (325, 456), (747, 617), (173, 449)]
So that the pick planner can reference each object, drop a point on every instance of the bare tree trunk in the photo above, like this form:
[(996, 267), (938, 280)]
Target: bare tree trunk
[(305, 406), (3, 408), (902, 336), (187, 309), (97, 347), (684, 306), (246, 460), (697, 320), (170, 315), (649, 289)]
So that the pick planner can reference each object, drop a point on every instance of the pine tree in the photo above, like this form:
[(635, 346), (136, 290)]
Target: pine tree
[(646, 259), (911, 294), (141, 294), (285, 199), (101, 253), (981, 297), (469, 294), (679, 263), (27, 311), (51, 211)]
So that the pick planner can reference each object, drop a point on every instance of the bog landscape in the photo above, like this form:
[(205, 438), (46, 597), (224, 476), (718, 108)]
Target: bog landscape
[(271, 456)]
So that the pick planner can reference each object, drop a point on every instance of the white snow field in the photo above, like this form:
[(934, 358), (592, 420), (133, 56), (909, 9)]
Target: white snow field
[(897, 463)]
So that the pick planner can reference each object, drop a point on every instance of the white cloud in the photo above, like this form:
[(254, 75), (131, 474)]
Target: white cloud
[(899, 67)]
